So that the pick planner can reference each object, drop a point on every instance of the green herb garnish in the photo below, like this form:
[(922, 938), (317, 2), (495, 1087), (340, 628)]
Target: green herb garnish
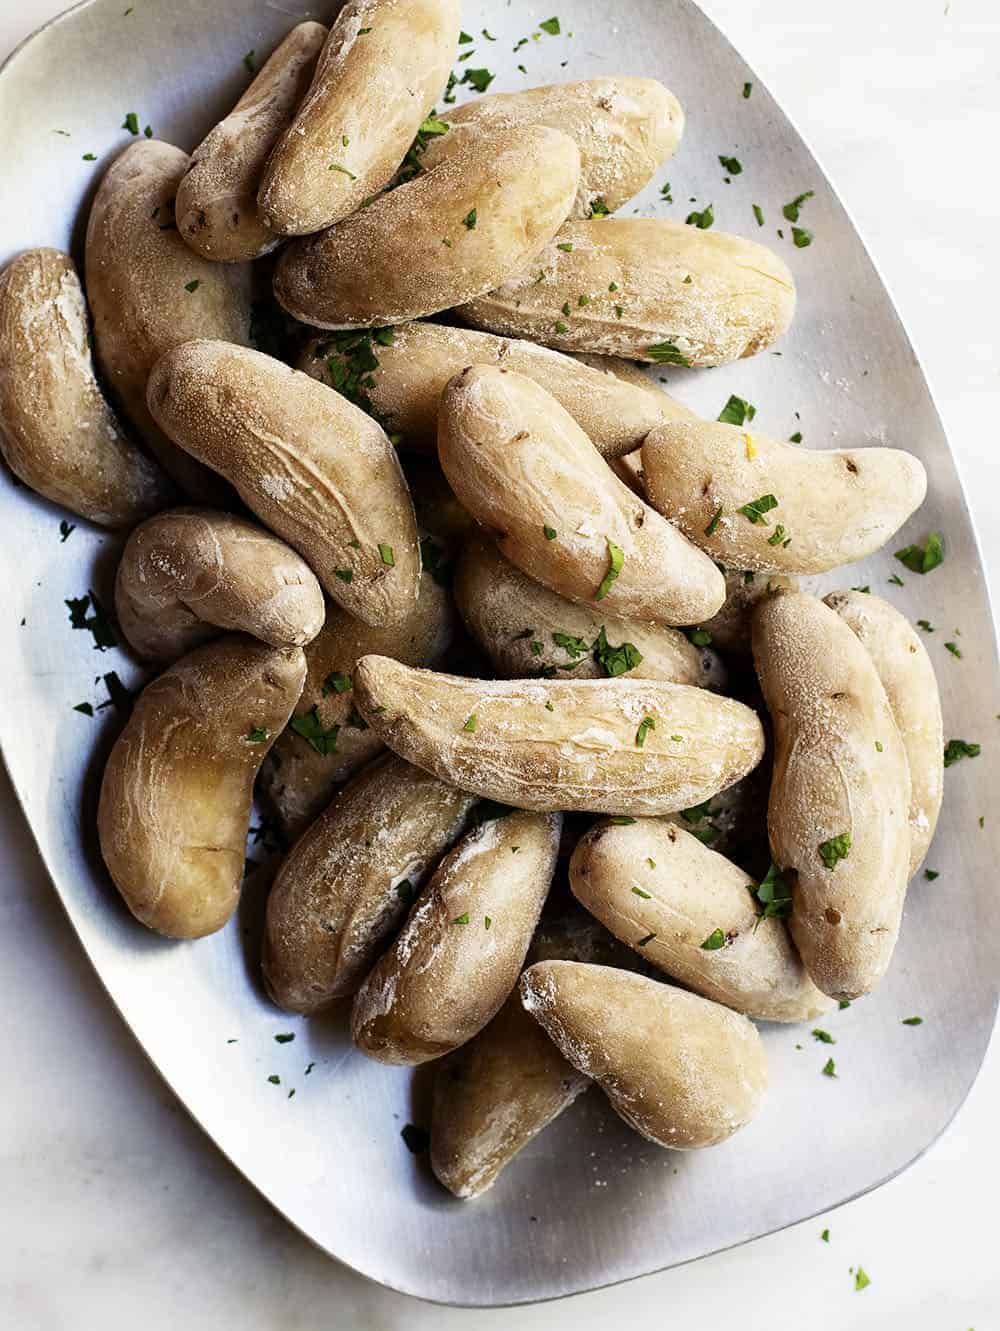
[(756, 509), (960, 748), (310, 728), (921, 559), (470, 220), (737, 411), (665, 353), (131, 123), (710, 530), (731, 164), (702, 220), (257, 735), (791, 210), (645, 726), (836, 849), (714, 941), (470, 724), (616, 558)]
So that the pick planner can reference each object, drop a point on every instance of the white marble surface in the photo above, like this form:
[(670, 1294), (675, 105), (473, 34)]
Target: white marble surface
[(116, 1210)]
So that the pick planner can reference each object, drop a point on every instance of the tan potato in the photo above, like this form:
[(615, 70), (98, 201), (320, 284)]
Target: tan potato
[(177, 788), (841, 786), (730, 626), (383, 67), (57, 433), (523, 468), (217, 213), (443, 238), (620, 746), (460, 952), (680, 1070), (313, 467), (346, 885), (615, 405), (148, 292), (739, 300), (832, 507), (660, 890), (908, 678)]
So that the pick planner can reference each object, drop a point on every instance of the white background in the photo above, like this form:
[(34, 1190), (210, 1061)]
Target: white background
[(115, 1211)]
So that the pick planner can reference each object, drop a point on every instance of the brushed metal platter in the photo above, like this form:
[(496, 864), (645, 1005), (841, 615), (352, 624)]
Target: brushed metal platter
[(588, 1203)]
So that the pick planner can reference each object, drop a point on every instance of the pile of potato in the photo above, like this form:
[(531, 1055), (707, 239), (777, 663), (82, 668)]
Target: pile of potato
[(306, 599)]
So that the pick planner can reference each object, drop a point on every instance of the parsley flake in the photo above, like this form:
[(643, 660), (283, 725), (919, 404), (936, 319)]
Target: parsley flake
[(310, 728), (836, 849), (645, 726), (922, 559), (616, 557), (737, 411), (756, 509), (470, 724), (960, 748), (714, 941), (665, 353)]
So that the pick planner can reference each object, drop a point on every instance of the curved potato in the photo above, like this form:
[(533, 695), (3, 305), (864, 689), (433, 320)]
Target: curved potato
[(313, 467), (460, 952), (448, 235), (346, 885), (740, 297), (382, 68), (57, 433), (840, 795), (660, 890), (832, 507), (149, 292), (522, 466), (177, 789), (217, 212), (621, 746), (730, 627), (908, 678), (680, 1070)]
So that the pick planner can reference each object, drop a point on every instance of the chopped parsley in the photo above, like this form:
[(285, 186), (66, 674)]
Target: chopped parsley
[(956, 749), (954, 648), (756, 509), (461, 919), (926, 625), (912, 1021), (779, 537), (665, 353), (566, 246), (824, 1037), (836, 849), (257, 735), (795, 438), (699, 637), (665, 193), (415, 1139), (861, 1279), (192, 286), (387, 556), (731, 164), (131, 123), (774, 894), (931, 874), (65, 530), (487, 921), (615, 661), (616, 557), (470, 220), (344, 171), (737, 411), (646, 896), (599, 208), (791, 210), (274, 1079), (714, 941), (825, 1236), (337, 682), (470, 724), (84, 707), (921, 559), (550, 533), (802, 237), (551, 26), (286, 1037), (464, 39), (829, 1068), (710, 530), (90, 157), (575, 647), (897, 581), (431, 128), (249, 60), (96, 623), (479, 79), (747, 90), (645, 726), (310, 728), (702, 220), (759, 214)]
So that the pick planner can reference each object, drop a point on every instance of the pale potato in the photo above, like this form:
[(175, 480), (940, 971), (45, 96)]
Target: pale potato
[(833, 507), (739, 300), (841, 785), (462, 948), (680, 1070), (730, 627), (57, 433), (177, 789), (524, 469)]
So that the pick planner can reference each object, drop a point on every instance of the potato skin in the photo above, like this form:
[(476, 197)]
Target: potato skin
[(177, 789), (730, 627), (739, 301), (582, 754), (836, 507), (138, 271), (312, 466), (519, 463), (337, 898), (830, 711), (382, 68), (908, 678), (449, 973), (689, 891), (57, 433), (682, 1071), (188, 574), (217, 213)]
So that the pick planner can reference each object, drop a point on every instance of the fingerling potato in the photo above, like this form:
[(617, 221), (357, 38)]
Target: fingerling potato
[(730, 627)]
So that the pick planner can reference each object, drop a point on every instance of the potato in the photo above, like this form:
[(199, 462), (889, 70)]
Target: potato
[(730, 626), (620, 746), (840, 795), (739, 300), (680, 1070), (460, 952), (313, 467), (523, 468), (346, 885), (383, 67), (148, 292), (57, 433), (217, 212), (448, 235), (756, 503), (176, 793), (615, 405), (660, 890), (908, 678), (526, 630)]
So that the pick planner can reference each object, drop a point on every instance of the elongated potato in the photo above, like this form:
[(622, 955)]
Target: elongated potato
[(840, 795), (57, 433), (739, 300), (148, 292), (448, 235), (660, 890), (346, 885), (217, 212), (379, 74), (830, 508), (908, 678), (621, 746), (460, 952), (522, 466), (311, 465), (177, 788), (730, 627), (682, 1071)]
